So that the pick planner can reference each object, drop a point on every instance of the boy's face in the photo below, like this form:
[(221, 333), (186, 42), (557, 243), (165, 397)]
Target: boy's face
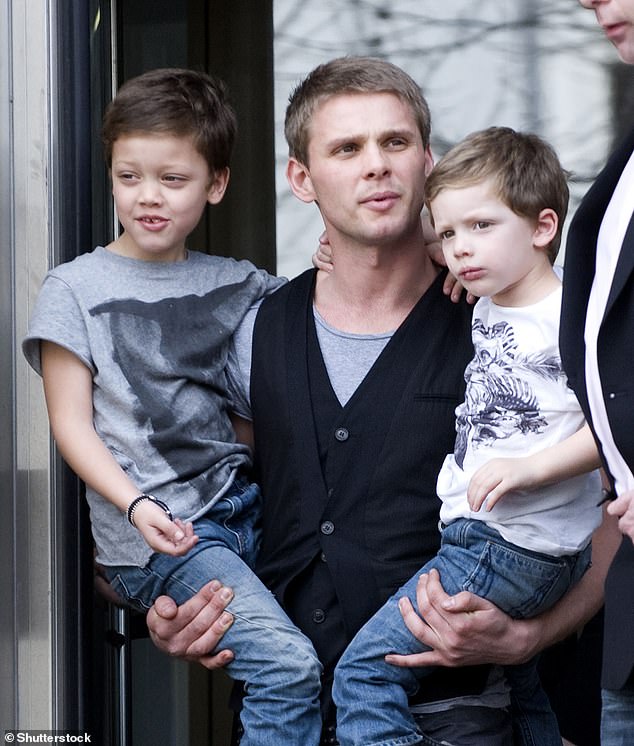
[(489, 248), (367, 169), (161, 185), (616, 18)]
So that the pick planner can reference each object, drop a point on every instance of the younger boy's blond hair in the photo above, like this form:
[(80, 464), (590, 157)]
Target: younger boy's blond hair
[(525, 169)]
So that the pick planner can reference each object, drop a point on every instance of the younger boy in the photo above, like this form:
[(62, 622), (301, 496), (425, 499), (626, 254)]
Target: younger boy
[(498, 201), (132, 340)]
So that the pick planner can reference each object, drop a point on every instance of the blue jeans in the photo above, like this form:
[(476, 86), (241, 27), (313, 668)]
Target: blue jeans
[(275, 660), (371, 695), (617, 717)]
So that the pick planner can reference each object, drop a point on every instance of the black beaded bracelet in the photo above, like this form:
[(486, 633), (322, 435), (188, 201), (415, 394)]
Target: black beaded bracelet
[(134, 504)]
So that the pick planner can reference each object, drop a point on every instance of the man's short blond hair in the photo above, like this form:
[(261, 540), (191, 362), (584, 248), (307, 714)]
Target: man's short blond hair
[(349, 75)]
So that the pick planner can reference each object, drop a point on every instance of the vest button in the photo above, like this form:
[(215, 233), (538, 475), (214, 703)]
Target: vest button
[(341, 434), (322, 557), (319, 616), (327, 528)]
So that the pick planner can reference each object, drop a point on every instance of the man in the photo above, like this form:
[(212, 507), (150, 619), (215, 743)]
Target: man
[(356, 374)]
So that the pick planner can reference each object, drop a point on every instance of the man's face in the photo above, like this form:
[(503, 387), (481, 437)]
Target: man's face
[(616, 18), (367, 169)]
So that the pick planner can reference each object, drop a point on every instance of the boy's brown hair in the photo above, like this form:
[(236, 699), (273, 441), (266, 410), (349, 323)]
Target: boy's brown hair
[(179, 102), (349, 75), (525, 168)]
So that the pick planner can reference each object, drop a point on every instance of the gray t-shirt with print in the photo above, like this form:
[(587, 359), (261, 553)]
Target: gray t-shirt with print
[(155, 336)]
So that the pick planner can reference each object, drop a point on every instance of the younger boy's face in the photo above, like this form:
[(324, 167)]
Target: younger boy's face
[(161, 185), (492, 251)]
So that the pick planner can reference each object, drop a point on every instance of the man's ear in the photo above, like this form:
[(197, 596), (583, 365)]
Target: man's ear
[(299, 180), (429, 161), (218, 186), (546, 228)]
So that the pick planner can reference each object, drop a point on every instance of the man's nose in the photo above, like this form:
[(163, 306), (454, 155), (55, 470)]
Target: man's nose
[(376, 162)]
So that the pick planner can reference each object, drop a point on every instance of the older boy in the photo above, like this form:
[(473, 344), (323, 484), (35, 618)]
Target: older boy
[(497, 201), (132, 342)]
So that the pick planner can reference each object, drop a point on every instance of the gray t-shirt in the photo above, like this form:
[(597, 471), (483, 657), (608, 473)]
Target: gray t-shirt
[(155, 337)]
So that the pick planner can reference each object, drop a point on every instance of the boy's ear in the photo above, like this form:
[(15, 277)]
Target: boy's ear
[(299, 180), (546, 228), (218, 186)]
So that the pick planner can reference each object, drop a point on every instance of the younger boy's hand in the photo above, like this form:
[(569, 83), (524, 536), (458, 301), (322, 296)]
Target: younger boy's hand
[(322, 258), (497, 477), (161, 533)]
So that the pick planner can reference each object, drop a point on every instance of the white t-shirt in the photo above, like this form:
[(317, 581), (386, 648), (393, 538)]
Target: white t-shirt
[(517, 402)]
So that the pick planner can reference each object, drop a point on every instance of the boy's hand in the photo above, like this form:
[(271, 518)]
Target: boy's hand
[(322, 258), (162, 534), (497, 477)]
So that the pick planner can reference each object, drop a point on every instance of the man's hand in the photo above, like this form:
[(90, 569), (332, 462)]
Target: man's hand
[(462, 630), (623, 507), (193, 630)]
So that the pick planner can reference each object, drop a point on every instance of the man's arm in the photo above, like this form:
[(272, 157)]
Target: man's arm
[(572, 456), (243, 429), (467, 630)]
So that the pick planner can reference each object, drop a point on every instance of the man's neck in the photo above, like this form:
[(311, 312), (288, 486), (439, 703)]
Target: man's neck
[(372, 290)]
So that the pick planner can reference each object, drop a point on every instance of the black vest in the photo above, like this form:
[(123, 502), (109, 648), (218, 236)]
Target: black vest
[(349, 492)]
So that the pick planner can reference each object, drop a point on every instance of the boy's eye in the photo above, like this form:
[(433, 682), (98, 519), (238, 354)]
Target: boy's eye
[(445, 235), (173, 178), (482, 224)]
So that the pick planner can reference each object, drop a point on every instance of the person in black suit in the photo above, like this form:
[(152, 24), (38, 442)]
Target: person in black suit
[(596, 333)]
